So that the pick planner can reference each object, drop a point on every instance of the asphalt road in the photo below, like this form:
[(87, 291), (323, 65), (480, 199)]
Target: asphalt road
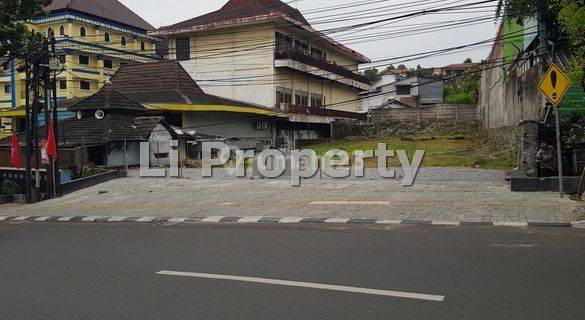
[(77, 271)]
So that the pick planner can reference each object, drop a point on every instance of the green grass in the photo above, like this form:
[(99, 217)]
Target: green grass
[(443, 151)]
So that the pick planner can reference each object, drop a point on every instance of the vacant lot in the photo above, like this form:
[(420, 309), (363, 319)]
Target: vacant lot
[(441, 151)]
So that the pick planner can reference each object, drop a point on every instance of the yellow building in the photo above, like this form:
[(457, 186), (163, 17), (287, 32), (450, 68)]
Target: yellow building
[(265, 52), (94, 38)]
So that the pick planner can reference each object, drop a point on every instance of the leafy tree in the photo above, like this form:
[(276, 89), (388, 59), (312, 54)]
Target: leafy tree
[(14, 35), (468, 60), (466, 89), (372, 74), (566, 25), (391, 67)]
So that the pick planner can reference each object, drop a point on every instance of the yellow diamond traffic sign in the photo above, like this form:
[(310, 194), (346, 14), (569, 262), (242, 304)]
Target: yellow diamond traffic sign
[(554, 85)]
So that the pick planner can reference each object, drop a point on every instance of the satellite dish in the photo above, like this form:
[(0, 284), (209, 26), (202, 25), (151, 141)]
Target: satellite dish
[(79, 115), (99, 114)]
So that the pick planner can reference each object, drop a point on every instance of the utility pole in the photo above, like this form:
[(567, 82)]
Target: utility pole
[(35, 127), (56, 166), (50, 184), (28, 124), (547, 62)]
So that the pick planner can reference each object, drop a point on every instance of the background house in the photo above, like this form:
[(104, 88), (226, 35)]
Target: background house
[(265, 52), (382, 91), (423, 90), (94, 38)]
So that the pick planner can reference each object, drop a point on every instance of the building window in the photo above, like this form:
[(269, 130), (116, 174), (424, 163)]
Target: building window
[(82, 32), (63, 84), (302, 98), (84, 60), (283, 96), (6, 88), (62, 58), (302, 47), (316, 53), (283, 43), (123, 41), (84, 85), (183, 48), (50, 32), (106, 37), (108, 64), (142, 46), (62, 30), (316, 100), (403, 90)]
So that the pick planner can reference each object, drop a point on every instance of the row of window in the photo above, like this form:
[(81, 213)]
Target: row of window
[(83, 34), (84, 60), (302, 98), (284, 43), (83, 85)]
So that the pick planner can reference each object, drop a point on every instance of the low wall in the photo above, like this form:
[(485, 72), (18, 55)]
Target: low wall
[(438, 112), (87, 182)]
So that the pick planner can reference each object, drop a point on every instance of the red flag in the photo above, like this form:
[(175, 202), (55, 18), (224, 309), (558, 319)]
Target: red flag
[(51, 146), (15, 152)]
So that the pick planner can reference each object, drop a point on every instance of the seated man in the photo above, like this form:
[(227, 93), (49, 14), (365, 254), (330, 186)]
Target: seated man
[(546, 159)]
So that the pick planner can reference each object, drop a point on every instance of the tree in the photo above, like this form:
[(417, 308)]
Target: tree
[(391, 67), (466, 89), (468, 60), (372, 74), (566, 25), (14, 34)]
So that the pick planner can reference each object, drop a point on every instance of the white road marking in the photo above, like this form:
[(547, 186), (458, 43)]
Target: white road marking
[(378, 203), (446, 223), (91, 218), (117, 219), (249, 219), (388, 222), (146, 219), (177, 220), (579, 224), (64, 219), (42, 219), (2, 218), (510, 224), (387, 293), (336, 220), (22, 218), (212, 219), (290, 220)]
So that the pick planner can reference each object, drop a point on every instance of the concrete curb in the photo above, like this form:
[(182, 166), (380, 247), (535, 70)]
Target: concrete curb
[(275, 220)]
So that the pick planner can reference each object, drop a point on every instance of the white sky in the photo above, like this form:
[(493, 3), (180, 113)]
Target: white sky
[(160, 12)]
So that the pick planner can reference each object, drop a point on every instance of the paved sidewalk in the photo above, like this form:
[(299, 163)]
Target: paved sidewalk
[(439, 194)]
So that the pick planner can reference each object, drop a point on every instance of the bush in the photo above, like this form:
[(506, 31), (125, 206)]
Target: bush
[(9, 187)]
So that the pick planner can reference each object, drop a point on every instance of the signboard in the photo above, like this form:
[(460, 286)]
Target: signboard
[(554, 85)]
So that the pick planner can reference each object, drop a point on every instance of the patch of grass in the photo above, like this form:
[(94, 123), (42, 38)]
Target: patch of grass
[(441, 151)]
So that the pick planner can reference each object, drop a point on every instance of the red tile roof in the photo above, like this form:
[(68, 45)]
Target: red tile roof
[(112, 10), (239, 9)]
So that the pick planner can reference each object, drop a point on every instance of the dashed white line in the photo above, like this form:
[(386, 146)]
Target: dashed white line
[(213, 219), (336, 220), (91, 218), (42, 219), (290, 220), (249, 219), (510, 224), (446, 223), (22, 218), (318, 286), (146, 219), (388, 222), (117, 219), (177, 220), (64, 219), (2, 218)]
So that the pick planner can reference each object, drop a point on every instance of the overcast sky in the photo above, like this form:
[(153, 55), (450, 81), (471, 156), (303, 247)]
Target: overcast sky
[(375, 43)]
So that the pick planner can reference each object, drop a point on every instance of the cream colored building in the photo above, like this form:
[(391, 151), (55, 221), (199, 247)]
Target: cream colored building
[(94, 38), (265, 52)]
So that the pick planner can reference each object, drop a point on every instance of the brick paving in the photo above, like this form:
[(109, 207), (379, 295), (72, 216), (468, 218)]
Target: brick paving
[(439, 194)]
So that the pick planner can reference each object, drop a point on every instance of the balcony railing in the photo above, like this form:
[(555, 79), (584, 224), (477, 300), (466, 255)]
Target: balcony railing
[(294, 109), (307, 58)]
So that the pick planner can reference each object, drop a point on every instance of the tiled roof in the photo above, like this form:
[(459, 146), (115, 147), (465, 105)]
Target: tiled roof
[(164, 82), (112, 10), (239, 9), (460, 66), (107, 98)]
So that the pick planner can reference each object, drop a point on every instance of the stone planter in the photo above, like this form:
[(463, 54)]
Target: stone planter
[(6, 199), (20, 198)]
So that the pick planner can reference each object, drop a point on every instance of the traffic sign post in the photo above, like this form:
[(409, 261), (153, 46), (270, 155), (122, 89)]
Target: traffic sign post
[(554, 86)]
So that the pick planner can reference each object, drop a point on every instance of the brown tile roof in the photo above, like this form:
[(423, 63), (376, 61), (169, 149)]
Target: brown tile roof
[(460, 66), (239, 9), (107, 98), (164, 82), (112, 10)]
